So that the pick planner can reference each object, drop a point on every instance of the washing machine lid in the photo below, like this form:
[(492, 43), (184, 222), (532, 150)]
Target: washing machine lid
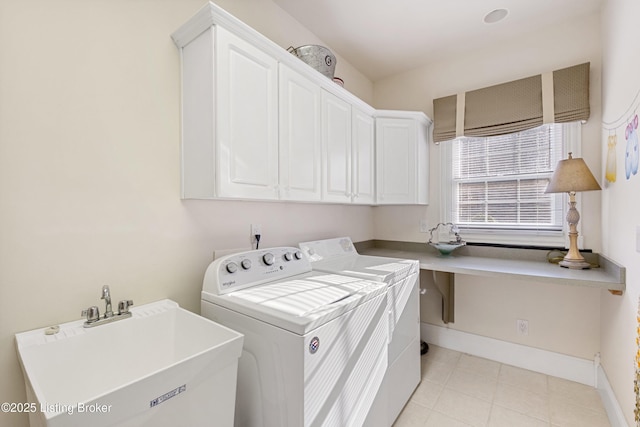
[(300, 303), (381, 269), (340, 256), (303, 296)]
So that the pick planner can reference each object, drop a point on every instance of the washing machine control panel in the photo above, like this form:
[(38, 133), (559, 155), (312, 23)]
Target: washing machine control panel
[(242, 270)]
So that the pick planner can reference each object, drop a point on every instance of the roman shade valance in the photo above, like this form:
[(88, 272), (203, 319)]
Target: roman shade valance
[(556, 97)]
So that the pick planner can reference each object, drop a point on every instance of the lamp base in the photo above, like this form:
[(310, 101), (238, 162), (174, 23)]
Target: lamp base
[(574, 258), (577, 264)]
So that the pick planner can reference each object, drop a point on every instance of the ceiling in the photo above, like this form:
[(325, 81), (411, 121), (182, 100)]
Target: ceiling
[(385, 37)]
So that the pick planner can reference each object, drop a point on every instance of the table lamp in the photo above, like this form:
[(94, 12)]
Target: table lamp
[(572, 175)]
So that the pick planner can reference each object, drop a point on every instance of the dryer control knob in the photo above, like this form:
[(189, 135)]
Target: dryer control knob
[(288, 256), (232, 267), (298, 255), (268, 258), (246, 264)]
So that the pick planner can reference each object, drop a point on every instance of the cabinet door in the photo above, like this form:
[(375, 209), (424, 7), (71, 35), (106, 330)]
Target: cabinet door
[(300, 146), (363, 158), (396, 159), (247, 125), (336, 149)]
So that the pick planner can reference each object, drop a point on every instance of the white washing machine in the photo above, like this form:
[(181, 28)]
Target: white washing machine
[(315, 343), (401, 276)]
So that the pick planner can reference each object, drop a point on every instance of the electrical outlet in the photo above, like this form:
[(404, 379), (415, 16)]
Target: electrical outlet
[(522, 327), (256, 229), (424, 227)]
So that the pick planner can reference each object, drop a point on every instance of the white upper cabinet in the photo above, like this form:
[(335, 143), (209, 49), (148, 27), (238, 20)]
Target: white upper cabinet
[(402, 158), (229, 119), (363, 158), (260, 124), (348, 136), (300, 147), (336, 149), (247, 119)]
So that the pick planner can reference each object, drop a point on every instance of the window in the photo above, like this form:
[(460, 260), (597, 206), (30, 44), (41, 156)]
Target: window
[(493, 187)]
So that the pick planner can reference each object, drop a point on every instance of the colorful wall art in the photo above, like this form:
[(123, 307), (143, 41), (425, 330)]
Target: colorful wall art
[(631, 155), (610, 172), (630, 149)]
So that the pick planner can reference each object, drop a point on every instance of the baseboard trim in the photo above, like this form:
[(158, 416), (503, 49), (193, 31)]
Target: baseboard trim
[(534, 359), (611, 405)]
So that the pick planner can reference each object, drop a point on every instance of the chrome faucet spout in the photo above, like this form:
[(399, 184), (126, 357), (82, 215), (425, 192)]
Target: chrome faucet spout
[(106, 296)]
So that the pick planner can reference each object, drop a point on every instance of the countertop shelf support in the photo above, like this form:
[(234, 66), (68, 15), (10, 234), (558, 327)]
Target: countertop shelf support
[(445, 283)]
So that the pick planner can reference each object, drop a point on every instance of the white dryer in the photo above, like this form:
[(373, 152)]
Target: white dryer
[(314, 343), (401, 276)]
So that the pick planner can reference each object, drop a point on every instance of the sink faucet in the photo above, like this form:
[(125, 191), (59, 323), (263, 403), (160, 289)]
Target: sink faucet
[(92, 314), (106, 296)]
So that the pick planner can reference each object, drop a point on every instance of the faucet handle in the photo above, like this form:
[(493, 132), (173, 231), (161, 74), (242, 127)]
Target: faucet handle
[(123, 306), (92, 314)]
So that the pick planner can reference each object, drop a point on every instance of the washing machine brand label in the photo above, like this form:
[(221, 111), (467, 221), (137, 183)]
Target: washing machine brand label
[(160, 399), (314, 344), (229, 283)]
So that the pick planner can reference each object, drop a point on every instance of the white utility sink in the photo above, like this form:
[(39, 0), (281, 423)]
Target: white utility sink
[(164, 366)]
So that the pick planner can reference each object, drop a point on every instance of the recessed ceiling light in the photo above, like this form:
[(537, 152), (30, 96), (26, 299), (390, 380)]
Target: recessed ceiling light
[(495, 16)]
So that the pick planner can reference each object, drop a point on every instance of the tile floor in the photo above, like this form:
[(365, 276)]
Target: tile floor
[(459, 390)]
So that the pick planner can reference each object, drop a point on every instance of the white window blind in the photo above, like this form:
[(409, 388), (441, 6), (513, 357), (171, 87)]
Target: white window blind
[(496, 184)]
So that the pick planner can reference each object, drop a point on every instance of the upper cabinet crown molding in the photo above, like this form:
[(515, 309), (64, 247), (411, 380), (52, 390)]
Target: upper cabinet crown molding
[(211, 15), (401, 114)]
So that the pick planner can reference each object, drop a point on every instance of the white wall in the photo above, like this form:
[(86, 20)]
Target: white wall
[(556, 47), (620, 87), (89, 165), (561, 318)]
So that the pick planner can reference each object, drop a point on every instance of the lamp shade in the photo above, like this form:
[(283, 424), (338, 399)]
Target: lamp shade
[(572, 175)]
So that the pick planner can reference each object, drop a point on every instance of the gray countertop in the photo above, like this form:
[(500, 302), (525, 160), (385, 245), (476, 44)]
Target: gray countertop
[(501, 262)]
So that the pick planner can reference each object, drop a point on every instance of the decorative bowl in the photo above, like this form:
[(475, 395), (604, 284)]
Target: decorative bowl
[(446, 248)]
